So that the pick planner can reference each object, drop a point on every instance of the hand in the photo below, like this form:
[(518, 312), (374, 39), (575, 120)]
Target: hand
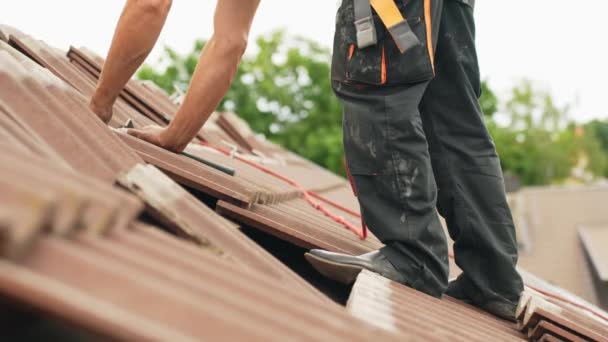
[(103, 112), (155, 135)]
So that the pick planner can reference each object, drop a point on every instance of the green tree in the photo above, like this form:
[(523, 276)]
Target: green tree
[(488, 100), (599, 130), (178, 69), (527, 144), (539, 144)]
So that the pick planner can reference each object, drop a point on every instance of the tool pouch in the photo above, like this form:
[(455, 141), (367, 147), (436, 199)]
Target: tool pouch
[(382, 63)]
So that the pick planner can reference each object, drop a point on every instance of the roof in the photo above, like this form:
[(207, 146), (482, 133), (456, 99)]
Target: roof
[(552, 217), (129, 241), (595, 240)]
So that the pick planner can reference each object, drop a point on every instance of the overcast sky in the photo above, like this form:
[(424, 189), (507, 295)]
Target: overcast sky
[(561, 45)]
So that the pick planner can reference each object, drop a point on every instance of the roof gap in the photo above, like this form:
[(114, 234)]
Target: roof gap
[(293, 256)]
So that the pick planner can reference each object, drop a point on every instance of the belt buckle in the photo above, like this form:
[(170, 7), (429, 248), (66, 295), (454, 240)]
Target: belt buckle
[(366, 32)]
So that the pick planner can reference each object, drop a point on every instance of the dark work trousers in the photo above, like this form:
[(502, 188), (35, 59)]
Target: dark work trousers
[(415, 141)]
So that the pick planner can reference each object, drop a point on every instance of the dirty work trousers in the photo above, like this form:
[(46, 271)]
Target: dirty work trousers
[(415, 141)]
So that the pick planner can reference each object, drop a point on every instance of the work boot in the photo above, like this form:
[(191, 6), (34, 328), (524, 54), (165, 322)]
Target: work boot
[(345, 268), (503, 310)]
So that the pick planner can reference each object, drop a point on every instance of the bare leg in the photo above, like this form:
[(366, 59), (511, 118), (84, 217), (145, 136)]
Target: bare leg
[(136, 33)]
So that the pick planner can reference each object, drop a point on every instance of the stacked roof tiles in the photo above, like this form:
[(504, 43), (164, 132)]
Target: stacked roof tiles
[(545, 319), (74, 245)]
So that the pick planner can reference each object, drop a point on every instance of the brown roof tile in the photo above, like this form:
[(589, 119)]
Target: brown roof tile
[(398, 308), (193, 174), (238, 130), (231, 303), (7, 31), (547, 328), (271, 189), (26, 138), (20, 103), (80, 306), (24, 214), (344, 196), (550, 338), (66, 108), (296, 221), (533, 310), (82, 203)]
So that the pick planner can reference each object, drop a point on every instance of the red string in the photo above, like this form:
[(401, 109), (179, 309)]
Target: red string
[(308, 196), (335, 205)]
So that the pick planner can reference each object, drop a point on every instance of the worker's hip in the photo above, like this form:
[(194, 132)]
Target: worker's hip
[(403, 51)]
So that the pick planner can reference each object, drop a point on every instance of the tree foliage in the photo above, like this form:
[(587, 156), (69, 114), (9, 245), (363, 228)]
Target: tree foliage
[(488, 101), (539, 144), (283, 91), (599, 130)]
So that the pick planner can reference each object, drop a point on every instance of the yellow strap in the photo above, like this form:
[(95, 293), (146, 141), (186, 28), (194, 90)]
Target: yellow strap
[(388, 11)]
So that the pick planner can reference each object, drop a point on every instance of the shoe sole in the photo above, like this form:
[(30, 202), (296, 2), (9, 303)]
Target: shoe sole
[(342, 273)]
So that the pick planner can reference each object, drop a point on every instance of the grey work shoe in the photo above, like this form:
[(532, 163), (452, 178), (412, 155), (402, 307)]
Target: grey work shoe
[(345, 268), (503, 310)]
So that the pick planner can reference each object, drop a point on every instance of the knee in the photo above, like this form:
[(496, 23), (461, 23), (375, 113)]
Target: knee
[(155, 7)]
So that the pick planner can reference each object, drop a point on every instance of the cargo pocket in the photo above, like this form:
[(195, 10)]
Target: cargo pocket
[(383, 63), (364, 151), (364, 139)]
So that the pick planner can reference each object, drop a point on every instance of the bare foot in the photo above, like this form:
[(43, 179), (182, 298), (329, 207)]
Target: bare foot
[(103, 112)]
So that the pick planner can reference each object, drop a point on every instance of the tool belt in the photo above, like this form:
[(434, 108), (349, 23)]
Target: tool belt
[(384, 42)]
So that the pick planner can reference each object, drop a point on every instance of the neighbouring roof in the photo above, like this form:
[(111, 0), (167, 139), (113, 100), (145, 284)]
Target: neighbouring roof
[(595, 241), (550, 219), (129, 241)]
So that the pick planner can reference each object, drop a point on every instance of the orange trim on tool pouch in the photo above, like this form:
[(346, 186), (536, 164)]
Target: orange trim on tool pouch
[(383, 68), (351, 52), (428, 20)]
